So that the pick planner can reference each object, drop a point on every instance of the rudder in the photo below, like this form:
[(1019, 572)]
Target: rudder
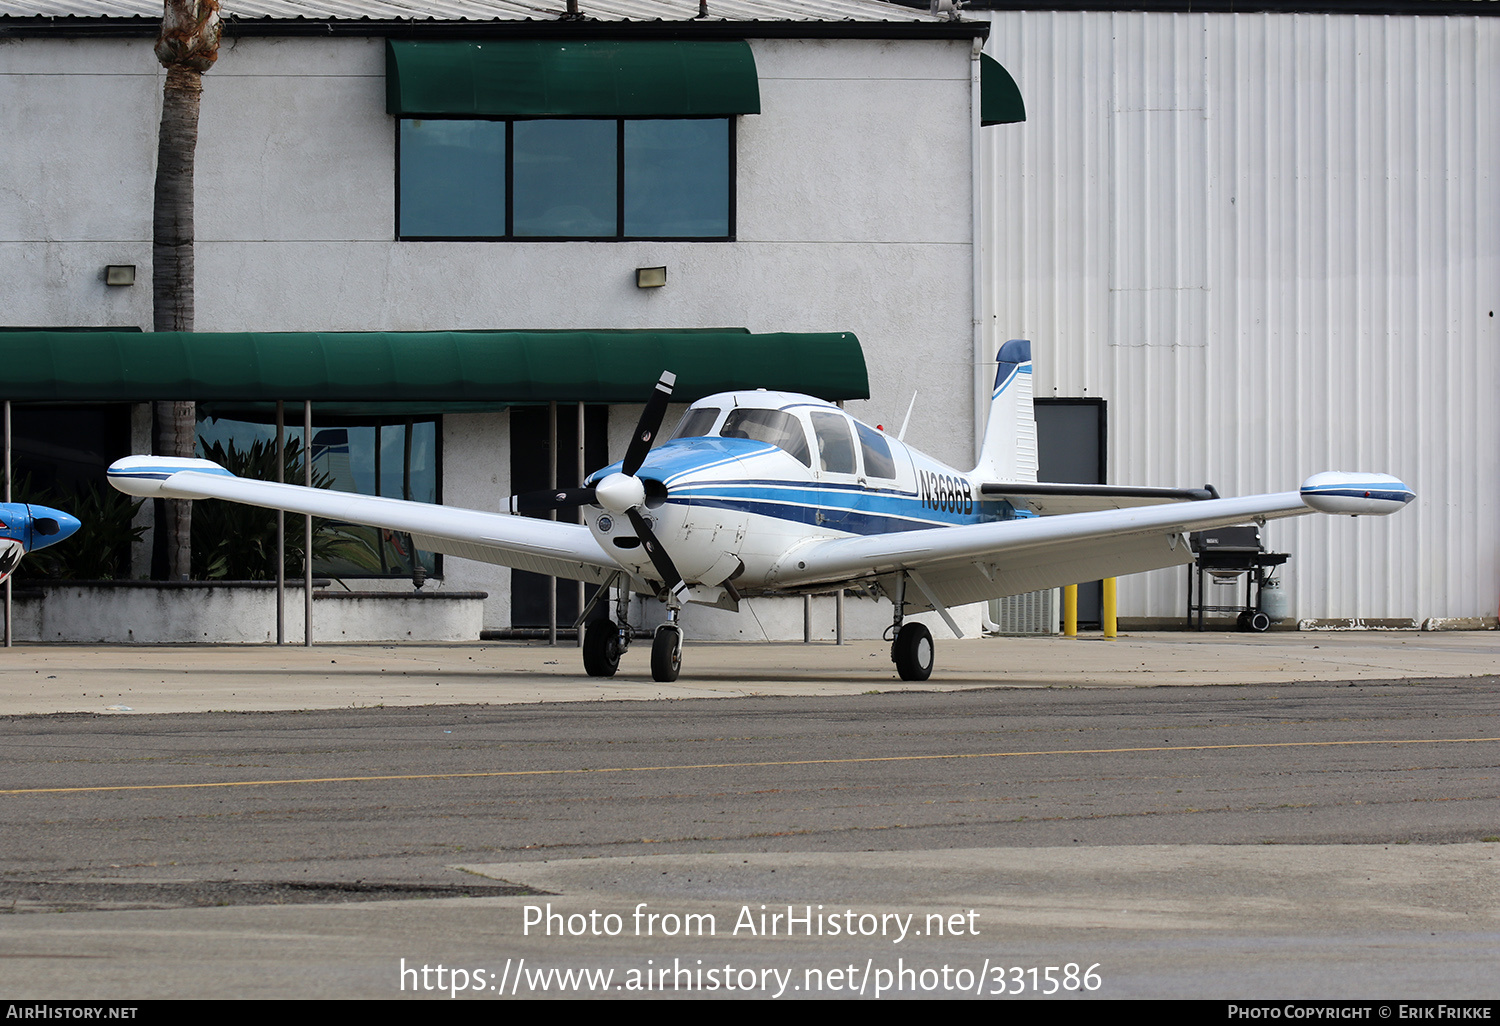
[(1009, 449)]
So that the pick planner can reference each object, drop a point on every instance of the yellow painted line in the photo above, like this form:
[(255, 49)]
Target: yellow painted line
[(739, 765)]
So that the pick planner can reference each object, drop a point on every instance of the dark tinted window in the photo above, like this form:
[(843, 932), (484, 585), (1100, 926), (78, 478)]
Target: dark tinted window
[(562, 178), (452, 178), (677, 178), (878, 462), (565, 178)]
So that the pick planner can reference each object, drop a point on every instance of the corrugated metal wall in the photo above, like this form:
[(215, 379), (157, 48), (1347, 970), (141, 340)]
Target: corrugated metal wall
[(1270, 242)]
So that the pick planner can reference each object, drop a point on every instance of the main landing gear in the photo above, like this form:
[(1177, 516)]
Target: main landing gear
[(604, 641), (912, 649)]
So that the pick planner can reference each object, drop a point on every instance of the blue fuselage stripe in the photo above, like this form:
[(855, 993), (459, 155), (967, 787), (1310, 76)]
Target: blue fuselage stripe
[(847, 508)]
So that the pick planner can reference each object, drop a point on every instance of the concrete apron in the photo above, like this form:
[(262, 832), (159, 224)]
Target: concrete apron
[(38, 679)]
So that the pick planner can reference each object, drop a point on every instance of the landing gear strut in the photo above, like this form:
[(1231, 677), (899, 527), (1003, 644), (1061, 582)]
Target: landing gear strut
[(911, 646), (666, 649)]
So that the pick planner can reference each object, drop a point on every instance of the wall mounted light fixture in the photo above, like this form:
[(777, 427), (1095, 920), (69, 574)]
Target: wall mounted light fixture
[(119, 274), (650, 277)]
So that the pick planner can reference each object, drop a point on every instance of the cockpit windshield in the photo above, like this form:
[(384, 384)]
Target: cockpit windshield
[(774, 427), (697, 422)]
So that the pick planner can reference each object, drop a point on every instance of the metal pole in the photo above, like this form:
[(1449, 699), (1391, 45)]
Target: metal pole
[(1070, 610), (579, 511), (838, 617), (1111, 622), (807, 619), (552, 515), (281, 525), (380, 535), (8, 640), (307, 525)]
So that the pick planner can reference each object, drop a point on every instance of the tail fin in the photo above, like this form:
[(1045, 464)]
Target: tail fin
[(1009, 450)]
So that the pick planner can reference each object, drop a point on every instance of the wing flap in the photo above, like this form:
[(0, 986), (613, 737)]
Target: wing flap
[(959, 583), (1051, 500)]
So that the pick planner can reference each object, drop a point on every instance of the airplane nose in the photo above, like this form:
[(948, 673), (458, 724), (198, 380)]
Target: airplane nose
[(50, 526)]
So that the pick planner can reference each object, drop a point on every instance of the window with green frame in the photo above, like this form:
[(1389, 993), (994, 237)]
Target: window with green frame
[(396, 457), (565, 178)]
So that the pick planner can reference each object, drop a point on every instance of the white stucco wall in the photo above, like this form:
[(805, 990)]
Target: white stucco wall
[(853, 214)]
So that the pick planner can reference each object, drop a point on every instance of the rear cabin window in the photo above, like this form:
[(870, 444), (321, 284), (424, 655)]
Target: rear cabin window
[(771, 426), (878, 462)]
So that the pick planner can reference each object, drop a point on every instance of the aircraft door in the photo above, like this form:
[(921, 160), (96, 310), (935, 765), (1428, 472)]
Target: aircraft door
[(837, 469)]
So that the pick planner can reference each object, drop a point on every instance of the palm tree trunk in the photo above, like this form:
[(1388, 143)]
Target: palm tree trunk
[(188, 46)]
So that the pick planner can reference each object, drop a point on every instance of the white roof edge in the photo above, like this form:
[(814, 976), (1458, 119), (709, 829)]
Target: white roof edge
[(538, 11)]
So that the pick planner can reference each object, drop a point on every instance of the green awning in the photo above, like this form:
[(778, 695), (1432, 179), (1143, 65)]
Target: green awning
[(423, 371), (1000, 100), (582, 78)]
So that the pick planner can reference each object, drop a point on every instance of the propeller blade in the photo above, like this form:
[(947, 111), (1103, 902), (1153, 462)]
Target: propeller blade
[(659, 558), (550, 499), (650, 424)]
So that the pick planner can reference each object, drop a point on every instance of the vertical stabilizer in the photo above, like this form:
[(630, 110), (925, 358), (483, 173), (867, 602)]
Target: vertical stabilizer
[(1009, 450)]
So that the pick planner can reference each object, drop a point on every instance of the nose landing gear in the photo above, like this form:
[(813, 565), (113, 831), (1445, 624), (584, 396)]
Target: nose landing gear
[(666, 653)]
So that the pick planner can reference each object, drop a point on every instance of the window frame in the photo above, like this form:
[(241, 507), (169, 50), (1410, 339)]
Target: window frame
[(731, 170), (346, 420)]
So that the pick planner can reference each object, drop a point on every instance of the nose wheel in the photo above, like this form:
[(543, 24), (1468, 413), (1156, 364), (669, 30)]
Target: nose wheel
[(666, 653)]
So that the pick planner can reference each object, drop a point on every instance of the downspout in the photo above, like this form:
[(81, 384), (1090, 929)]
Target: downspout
[(981, 383)]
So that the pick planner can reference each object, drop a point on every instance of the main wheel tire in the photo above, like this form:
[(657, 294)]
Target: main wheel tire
[(913, 651), (666, 654), (601, 648)]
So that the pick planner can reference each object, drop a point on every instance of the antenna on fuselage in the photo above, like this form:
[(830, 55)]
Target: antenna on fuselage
[(901, 435)]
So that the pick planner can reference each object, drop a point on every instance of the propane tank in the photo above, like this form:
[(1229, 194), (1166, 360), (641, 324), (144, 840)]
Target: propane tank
[(1274, 601)]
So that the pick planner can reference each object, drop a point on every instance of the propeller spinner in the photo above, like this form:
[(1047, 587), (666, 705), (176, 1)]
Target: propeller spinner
[(622, 493)]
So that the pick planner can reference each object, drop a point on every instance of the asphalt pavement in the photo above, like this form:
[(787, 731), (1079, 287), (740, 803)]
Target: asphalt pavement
[(1274, 816)]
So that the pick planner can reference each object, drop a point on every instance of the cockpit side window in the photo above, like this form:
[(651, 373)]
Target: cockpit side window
[(835, 443), (878, 461), (771, 426), (697, 422)]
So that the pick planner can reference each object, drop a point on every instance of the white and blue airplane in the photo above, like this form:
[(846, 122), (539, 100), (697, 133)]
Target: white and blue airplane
[(762, 492), (25, 527)]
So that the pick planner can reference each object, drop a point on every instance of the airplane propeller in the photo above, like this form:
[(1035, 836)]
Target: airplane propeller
[(622, 493)]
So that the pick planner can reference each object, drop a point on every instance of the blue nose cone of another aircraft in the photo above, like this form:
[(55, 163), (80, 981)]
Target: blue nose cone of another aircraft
[(35, 527)]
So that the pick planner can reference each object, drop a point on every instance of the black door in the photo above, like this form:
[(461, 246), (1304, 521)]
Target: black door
[(529, 460), (1070, 437)]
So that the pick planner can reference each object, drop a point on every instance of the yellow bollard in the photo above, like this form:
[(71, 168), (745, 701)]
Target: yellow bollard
[(1111, 626), (1070, 610)]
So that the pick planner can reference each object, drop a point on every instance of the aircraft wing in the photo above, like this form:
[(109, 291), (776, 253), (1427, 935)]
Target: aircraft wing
[(541, 546), (1051, 500), (983, 561)]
